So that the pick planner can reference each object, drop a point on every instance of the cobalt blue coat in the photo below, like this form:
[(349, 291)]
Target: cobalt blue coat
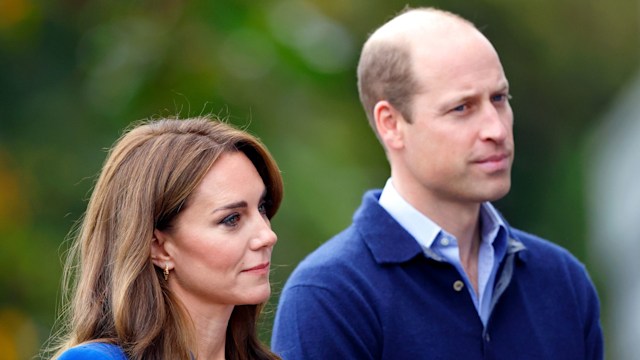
[(94, 351)]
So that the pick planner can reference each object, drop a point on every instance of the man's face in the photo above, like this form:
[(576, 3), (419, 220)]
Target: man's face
[(459, 145)]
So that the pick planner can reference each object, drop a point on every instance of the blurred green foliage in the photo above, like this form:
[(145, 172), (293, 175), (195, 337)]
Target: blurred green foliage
[(74, 73)]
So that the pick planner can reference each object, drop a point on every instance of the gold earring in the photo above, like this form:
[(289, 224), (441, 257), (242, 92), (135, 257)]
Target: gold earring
[(166, 271)]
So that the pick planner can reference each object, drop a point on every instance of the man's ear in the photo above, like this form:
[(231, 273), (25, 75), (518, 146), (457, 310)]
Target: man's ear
[(159, 254), (389, 124)]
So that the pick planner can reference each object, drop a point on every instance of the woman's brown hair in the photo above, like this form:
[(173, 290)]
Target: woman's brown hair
[(114, 293)]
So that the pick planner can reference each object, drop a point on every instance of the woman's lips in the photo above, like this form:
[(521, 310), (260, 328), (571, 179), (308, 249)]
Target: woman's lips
[(258, 269)]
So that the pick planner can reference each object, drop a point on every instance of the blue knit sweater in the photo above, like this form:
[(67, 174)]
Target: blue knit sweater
[(372, 293)]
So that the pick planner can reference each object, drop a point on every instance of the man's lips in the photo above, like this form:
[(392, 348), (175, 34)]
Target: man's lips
[(492, 157), (494, 162)]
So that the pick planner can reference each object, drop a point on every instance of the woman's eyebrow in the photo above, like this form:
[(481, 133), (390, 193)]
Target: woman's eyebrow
[(235, 205)]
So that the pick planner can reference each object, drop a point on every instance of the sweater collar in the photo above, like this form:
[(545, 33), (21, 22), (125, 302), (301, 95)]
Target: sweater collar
[(391, 243), (385, 238)]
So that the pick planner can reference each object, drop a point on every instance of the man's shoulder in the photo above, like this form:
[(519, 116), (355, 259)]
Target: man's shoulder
[(545, 254), (359, 252), (347, 246), (94, 350), (340, 254), (538, 244)]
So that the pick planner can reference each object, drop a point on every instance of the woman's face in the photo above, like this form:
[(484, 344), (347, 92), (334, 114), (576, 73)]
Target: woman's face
[(220, 244)]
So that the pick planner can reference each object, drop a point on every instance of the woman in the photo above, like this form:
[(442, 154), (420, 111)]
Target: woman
[(171, 260)]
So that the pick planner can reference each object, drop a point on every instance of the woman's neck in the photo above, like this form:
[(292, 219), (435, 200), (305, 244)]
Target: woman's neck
[(211, 331), (210, 323)]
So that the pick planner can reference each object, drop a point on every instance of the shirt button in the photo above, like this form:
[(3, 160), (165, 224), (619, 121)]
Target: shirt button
[(487, 338), (458, 285), (444, 242)]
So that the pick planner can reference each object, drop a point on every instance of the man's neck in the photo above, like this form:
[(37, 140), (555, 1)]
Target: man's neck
[(461, 220)]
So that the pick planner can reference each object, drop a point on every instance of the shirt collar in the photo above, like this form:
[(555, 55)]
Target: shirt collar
[(423, 229), (491, 222), (389, 242)]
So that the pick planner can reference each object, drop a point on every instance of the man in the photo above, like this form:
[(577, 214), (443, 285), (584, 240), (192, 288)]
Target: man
[(429, 269)]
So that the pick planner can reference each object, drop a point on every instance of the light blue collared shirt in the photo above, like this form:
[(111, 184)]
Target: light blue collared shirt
[(431, 236)]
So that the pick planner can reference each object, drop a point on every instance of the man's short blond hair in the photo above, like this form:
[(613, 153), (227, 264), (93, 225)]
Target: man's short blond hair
[(385, 66)]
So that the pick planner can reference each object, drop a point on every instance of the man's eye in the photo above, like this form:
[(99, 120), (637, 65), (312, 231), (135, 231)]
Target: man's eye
[(459, 108), (500, 97)]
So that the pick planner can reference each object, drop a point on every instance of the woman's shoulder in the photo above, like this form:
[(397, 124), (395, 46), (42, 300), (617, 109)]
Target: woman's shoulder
[(94, 350)]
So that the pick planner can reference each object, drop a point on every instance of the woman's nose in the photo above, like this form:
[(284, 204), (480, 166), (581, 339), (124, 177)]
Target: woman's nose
[(265, 236)]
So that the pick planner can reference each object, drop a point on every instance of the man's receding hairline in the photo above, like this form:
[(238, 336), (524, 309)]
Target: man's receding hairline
[(399, 28)]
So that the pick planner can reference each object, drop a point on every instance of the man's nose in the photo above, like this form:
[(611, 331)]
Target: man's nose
[(496, 123)]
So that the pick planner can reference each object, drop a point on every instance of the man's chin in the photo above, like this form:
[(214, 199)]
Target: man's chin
[(498, 192)]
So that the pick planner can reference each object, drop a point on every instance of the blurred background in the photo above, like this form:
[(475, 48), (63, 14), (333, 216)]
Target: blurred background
[(74, 73)]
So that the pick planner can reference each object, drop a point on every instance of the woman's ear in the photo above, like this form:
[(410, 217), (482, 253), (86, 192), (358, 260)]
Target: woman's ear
[(159, 254), (389, 123)]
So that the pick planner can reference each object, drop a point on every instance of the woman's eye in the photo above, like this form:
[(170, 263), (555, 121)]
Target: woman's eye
[(231, 220), (262, 208)]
